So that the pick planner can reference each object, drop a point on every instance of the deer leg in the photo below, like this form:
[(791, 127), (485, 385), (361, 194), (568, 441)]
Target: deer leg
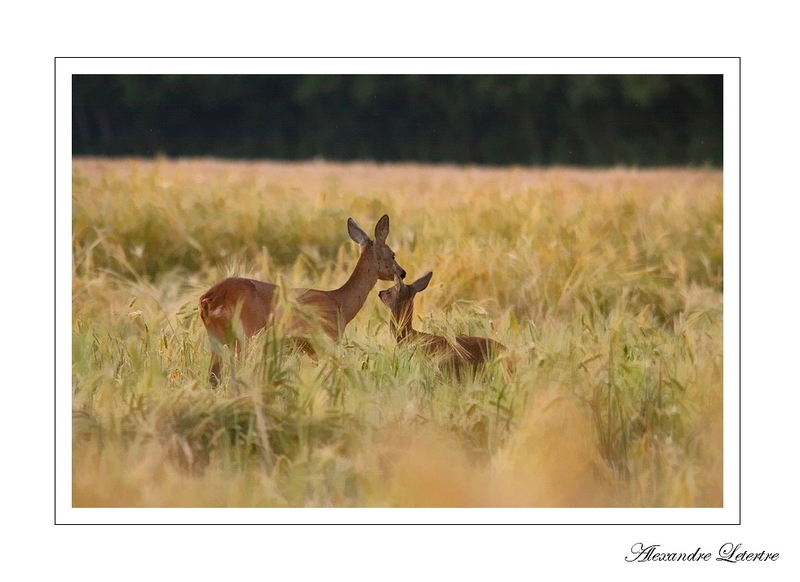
[(214, 375)]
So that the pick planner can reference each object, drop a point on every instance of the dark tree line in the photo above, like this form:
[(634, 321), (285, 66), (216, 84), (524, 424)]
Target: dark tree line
[(639, 120)]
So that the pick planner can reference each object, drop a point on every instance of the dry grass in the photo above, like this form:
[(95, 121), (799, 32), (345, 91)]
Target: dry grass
[(606, 285)]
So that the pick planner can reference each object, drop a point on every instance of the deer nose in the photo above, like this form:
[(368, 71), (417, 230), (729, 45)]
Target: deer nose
[(402, 273)]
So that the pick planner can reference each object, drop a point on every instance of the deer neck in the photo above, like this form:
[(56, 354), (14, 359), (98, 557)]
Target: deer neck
[(351, 296), (401, 325)]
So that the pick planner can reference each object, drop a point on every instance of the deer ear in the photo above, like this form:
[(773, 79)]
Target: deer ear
[(356, 233), (422, 283), (382, 229)]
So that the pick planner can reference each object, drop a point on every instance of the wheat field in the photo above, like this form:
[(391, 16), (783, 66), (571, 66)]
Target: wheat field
[(605, 285)]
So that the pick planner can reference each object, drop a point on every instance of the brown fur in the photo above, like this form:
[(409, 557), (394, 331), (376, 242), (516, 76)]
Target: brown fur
[(255, 301), (466, 349)]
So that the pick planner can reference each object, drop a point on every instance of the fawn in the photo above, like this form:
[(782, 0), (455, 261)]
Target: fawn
[(465, 350), (237, 308)]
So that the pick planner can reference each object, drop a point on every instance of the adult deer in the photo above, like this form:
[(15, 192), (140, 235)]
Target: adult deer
[(462, 350), (238, 308)]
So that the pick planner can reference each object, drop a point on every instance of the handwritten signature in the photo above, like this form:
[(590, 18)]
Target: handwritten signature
[(728, 552)]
